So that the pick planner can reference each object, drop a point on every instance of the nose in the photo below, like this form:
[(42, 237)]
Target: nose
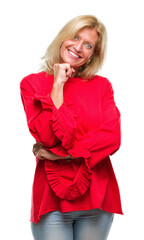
[(78, 46)]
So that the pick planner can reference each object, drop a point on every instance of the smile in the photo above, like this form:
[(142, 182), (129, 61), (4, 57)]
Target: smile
[(74, 54)]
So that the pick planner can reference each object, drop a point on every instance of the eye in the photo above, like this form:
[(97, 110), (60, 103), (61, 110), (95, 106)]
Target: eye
[(76, 37), (88, 45)]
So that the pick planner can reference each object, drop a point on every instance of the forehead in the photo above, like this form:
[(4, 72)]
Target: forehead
[(88, 34)]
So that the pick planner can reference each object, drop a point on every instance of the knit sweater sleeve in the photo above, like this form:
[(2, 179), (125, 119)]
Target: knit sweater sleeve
[(47, 124), (105, 139)]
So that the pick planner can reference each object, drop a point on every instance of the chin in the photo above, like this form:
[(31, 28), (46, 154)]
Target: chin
[(74, 65)]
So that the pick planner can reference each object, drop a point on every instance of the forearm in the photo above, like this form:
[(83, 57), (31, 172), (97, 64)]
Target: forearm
[(61, 74), (42, 153), (68, 157), (57, 94)]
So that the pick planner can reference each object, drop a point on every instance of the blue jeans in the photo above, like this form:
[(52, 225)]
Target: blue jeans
[(77, 225)]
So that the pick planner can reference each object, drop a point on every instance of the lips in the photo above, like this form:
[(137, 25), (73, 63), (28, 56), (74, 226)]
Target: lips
[(75, 55)]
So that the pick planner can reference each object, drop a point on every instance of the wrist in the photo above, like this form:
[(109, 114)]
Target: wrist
[(58, 85), (68, 158)]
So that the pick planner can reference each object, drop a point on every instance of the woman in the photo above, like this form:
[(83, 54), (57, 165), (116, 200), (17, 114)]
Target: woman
[(73, 117)]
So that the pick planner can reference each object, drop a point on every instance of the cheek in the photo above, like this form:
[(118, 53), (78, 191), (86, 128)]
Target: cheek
[(64, 46), (88, 53), (62, 51)]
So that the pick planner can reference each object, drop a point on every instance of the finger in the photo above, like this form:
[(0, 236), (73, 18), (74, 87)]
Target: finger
[(41, 158), (69, 72), (39, 154), (65, 65), (73, 70), (34, 150), (36, 147)]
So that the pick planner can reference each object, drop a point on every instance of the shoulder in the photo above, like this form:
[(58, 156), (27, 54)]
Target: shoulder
[(101, 80), (33, 78), (102, 83), (36, 81)]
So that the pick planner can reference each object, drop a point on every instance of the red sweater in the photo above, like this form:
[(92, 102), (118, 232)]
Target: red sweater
[(87, 126)]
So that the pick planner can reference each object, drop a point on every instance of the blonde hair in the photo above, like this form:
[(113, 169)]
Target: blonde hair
[(88, 70)]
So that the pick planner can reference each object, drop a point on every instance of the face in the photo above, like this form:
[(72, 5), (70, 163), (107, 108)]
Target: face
[(79, 50)]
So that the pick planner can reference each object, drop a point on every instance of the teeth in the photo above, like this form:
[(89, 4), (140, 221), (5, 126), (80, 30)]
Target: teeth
[(73, 54)]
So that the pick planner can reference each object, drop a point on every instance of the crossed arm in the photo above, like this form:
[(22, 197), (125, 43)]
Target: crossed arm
[(55, 128), (42, 153)]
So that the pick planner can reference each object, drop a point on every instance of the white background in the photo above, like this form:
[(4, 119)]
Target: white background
[(27, 28)]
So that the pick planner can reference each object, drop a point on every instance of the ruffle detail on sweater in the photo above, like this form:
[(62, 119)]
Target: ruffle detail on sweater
[(64, 126), (66, 185), (46, 101)]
